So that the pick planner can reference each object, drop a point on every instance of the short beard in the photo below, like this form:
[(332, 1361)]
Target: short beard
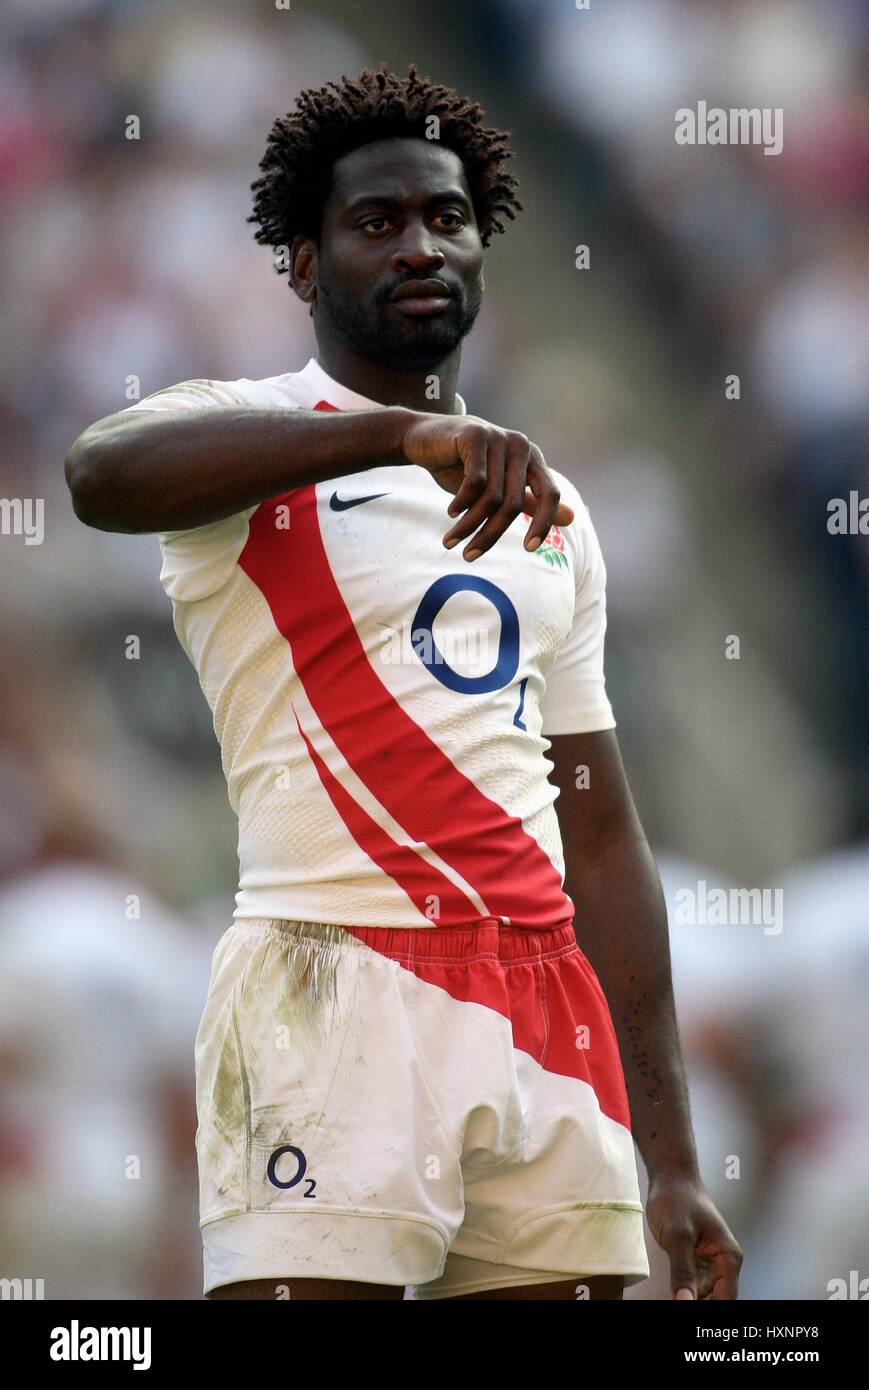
[(423, 345)]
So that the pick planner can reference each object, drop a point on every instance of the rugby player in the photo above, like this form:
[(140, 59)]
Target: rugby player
[(442, 1013)]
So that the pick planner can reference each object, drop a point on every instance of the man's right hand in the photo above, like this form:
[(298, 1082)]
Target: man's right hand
[(178, 469), (495, 474)]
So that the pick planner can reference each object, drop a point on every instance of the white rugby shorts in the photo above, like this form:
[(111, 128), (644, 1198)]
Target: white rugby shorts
[(438, 1108)]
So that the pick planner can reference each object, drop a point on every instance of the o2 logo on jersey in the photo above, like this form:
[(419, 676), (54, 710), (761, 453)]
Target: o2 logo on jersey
[(301, 1169), (426, 648)]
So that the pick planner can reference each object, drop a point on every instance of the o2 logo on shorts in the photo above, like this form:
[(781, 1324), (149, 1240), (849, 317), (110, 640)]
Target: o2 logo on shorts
[(301, 1168)]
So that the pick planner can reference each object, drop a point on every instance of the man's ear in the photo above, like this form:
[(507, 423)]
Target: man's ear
[(303, 269)]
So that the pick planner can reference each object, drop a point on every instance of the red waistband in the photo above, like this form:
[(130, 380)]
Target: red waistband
[(488, 939)]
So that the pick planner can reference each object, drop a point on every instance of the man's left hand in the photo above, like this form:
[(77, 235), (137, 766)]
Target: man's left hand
[(705, 1258)]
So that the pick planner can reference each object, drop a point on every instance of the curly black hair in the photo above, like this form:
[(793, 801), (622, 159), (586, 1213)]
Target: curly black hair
[(333, 120)]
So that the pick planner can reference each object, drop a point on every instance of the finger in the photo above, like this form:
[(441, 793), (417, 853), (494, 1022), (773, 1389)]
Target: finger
[(563, 517), (473, 447), (490, 498), (511, 506), (683, 1268), (546, 499), (724, 1267), (705, 1283)]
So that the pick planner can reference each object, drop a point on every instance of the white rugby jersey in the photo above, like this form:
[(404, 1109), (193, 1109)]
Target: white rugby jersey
[(380, 703)]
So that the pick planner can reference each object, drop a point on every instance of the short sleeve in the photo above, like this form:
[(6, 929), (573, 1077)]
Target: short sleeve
[(575, 700), (197, 563), (189, 395)]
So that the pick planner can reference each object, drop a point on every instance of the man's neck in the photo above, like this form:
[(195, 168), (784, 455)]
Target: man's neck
[(413, 389)]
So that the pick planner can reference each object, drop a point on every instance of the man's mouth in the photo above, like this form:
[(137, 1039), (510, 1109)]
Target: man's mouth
[(421, 298)]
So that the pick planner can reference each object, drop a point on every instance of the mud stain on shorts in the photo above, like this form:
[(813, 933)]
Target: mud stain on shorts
[(307, 1002), (225, 1135)]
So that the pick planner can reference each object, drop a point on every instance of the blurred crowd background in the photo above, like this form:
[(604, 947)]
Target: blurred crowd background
[(131, 258)]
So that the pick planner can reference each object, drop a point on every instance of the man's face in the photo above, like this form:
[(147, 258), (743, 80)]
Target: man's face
[(400, 214)]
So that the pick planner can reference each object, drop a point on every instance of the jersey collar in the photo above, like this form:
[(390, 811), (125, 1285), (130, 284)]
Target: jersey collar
[(326, 389)]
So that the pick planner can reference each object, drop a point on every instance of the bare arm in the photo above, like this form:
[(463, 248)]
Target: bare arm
[(621, 927), (174, 470)]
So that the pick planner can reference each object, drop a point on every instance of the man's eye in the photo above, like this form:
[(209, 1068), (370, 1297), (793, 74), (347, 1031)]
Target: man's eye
[(373, 224), (453, 219)]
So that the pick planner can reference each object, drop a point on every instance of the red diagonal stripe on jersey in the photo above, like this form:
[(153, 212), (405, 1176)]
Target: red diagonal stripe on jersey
[(421, 881), (573, 997), (411, 777)]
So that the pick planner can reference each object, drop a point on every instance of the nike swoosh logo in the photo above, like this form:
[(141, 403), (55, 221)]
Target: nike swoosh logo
[(340, 504)]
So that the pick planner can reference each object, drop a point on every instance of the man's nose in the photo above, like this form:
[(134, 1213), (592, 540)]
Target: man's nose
[(418, 251)]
